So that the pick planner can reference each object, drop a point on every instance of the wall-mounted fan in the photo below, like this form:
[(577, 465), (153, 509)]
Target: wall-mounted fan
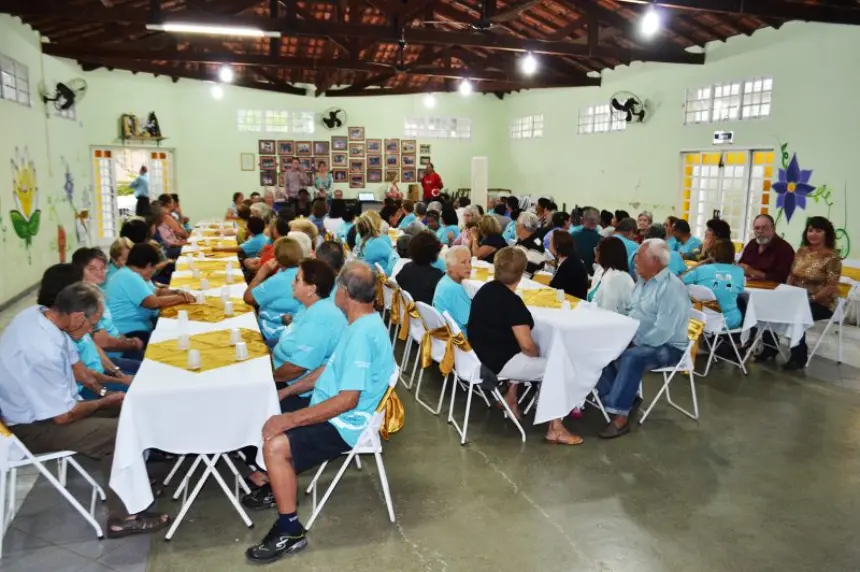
[(626, 106), (333, 118), (65, 95)]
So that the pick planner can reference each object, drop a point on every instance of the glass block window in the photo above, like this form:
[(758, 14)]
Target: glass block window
[(729, 101), (438, 127), (527, 127), (275, 121), (14, 81), (599, 119)]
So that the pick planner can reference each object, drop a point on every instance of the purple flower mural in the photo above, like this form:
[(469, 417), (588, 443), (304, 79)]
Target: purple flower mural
[(792, 188)]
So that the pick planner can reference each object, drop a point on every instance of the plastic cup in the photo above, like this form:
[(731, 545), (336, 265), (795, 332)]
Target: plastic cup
[(228, 276), (195, 274), (241, 351), (204, 284), (183, 342), (194, 359), (228, 308), (225, 294), (559, 295), (565, 305), (200, 298), (235, 336)]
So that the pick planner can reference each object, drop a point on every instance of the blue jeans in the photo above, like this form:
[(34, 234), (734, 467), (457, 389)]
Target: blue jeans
[(620, 380), (88, 395), (126, 365)]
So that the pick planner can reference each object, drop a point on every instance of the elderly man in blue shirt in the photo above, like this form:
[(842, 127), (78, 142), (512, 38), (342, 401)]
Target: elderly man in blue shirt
[(140, 187), (661, 304)]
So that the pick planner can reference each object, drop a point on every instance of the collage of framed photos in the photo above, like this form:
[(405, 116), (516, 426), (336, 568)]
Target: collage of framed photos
[(351, 159)]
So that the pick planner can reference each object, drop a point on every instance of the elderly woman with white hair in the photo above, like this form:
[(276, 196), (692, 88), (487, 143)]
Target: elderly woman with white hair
[(469, 219), (450, 295), (643, 221), (530, 241), (662, 306)]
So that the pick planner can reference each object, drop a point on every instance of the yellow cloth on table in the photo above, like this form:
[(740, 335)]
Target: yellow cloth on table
[(851, 272), (544, 279), (206, 265), (395, 415), (212, 311), (482, 274), (207, 232), (214, 347), (545, 298), (215, 280)]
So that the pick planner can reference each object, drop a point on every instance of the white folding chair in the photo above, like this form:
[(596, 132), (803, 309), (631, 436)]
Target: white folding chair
[(14, 455), (413, 338), (432, 319), (685, 364), (838, 318), (715, 328), (387, 296), (369, 443), (467, 373), (852, 304)]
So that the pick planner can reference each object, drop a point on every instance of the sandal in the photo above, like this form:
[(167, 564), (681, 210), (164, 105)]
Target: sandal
[(141, 523), (564, 439)]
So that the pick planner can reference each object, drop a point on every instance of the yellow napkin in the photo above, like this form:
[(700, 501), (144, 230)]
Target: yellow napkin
[(545, 298), (212, 311), (214, 347), (215, 280)]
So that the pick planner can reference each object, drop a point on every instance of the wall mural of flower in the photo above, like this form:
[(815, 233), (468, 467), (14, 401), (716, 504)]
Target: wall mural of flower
[(792, 188), (25, 219)]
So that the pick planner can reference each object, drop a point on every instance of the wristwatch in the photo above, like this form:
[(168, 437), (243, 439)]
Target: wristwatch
[(103, 391)]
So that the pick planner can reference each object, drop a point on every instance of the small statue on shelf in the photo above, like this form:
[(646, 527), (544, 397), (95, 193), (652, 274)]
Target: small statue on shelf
[(152, 128)]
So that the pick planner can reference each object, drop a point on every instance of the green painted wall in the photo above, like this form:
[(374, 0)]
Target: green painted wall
[(203, 131), (52, 144), (816, 83)]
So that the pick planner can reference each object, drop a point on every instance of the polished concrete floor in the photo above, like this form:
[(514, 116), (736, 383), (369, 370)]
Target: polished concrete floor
[(769, 479)]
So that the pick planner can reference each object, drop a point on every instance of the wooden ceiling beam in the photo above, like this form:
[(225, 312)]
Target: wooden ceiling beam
[(370, 32), (830, 14), (485, 88)]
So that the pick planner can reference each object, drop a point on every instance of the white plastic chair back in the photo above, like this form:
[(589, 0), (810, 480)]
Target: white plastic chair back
[(368, 441), (416, 326), (387, 292), (466, 364), (9, 450), (432, 320), (716, 321)]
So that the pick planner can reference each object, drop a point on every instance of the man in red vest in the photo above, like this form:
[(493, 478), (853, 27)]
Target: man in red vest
[(431, 182)]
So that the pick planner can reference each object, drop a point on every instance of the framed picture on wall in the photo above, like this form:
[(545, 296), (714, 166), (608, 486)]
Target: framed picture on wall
[(246, 162), (356, 133), (320, 147), (392, 175), (374, 175), (285, 161), (307, 163), (356, 166), (356, 149), (356, 181), (425, 148), (268, 178), (282, 179), (339, 175), (266, 147), (408, 175), (268, 163), (407, 161), (408, 146), (286, 148), (338, 143), (421, 174), (338, 160), (374, 162), (392, 146), (425, 160), (303, 148), (374, 145), (392, 161)]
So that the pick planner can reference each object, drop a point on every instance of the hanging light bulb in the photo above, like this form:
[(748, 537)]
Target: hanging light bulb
[(225, 74), (465, 87), (650, 23), (429, 101), (216, 91), (529, 64)]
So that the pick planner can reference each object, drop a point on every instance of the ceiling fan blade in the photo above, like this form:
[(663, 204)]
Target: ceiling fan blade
[(513, 12)]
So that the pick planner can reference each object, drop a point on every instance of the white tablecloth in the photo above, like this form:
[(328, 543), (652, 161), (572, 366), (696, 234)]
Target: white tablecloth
[(577, 345), (785, 309), (183, 412)]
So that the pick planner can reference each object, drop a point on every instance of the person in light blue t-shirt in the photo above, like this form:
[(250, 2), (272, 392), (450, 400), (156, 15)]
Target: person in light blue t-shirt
[(450, 295), (688, 246), (133, 299), (311, 338), (409, 216), (373, 247), (347, 393), (676, 263), (344, 228), (625, 230), (510, 232), (272, 288), (449, 229), (724, 278)]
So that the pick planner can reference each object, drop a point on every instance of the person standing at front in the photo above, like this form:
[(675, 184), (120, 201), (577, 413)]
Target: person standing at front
[(140, 186), (431, 182), (294, 180)]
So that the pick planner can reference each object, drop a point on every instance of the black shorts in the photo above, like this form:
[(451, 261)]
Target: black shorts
[(313, 445), (294, 403)]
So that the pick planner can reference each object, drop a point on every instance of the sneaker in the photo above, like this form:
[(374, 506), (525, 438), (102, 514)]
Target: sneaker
[(794, 364), (260, 498), (276, 545)]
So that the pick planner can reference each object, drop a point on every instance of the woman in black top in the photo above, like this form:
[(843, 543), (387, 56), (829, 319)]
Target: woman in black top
[(570, 274), (418, 277), (500, 331), (486, 239)]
